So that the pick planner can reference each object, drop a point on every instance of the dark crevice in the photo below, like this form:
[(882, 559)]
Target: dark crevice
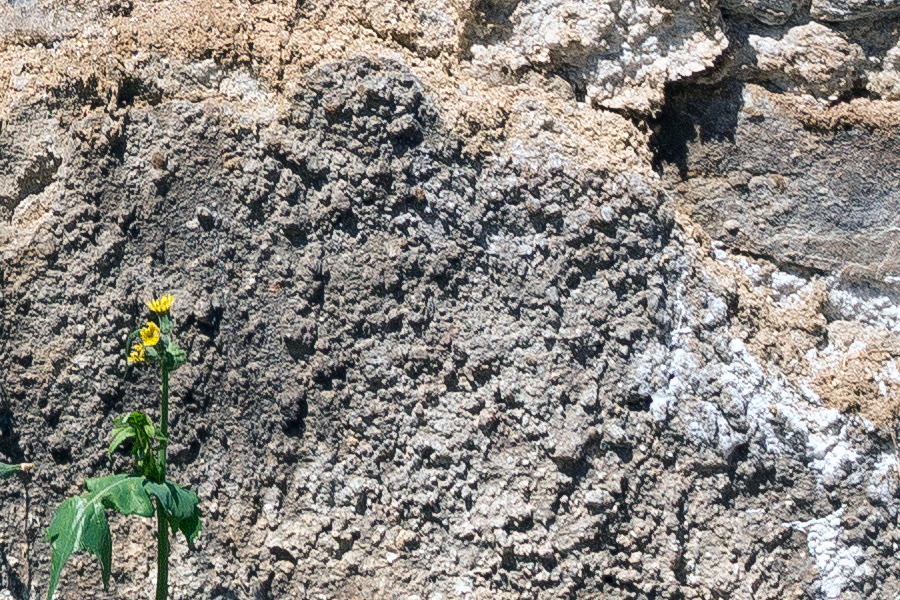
[(806, 271), (682, 121)]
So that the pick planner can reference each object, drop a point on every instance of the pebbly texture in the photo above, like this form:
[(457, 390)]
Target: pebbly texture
[(501, 300), (620, 54), (343, 263)]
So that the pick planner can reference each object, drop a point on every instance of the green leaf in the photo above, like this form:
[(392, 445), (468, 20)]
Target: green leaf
[(146, 442), (180, 506), (129, 341), (9, 470), (174, 357), (120, 434), (80, 522), (122, 493)]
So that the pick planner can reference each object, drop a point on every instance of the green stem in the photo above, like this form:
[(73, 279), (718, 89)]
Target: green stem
[(164, 421), (162, 530)]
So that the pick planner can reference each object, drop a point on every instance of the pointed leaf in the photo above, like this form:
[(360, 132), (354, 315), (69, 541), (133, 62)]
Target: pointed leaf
[(120, 435), (180, 506), (9, 470), (80, 522), (130, 339)]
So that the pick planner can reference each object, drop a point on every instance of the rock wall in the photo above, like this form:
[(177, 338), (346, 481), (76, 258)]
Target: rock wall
[(483, 299)]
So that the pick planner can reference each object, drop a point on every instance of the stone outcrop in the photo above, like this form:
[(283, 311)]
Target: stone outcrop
[(503, 299)]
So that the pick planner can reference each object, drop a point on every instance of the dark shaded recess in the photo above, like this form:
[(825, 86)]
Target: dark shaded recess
[(62, 455), (296, 235), (119, 145), (680, 568), (132, 89), (209, 324), (348, 222), (577, 468), (299, 347), (624, 453), (325, 375), (9, 437), (187, 455), (86, 91), (638, 403), (690, 113), (575, 78), (120, 8), (310, 178), (224, 593), (493, 24), (294, 413), (739, 453), (508, 559), (282, 554), (406, 133), (39, 175)]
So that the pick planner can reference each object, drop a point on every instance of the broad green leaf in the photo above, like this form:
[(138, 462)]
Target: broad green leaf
[(80, 522), (122, 493), (135, 425), (9, 470), (180, 506)]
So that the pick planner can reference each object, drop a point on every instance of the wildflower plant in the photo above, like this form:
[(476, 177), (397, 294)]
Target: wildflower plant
[(80, 522)]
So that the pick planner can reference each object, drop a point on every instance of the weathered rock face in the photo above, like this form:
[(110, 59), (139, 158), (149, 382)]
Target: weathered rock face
[(758, 179), (770, 12), (847, 10), (482, 300), (620, 53)]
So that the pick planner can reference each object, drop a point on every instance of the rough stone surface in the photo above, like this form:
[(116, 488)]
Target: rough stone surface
[(484, 300), (619, 54), (810, 58), (770, 12), (762, 181), (846, 10)]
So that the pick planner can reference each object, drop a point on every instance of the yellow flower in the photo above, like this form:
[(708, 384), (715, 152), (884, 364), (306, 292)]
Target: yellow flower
[(162, 304), (137, 354), (150, 334)]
